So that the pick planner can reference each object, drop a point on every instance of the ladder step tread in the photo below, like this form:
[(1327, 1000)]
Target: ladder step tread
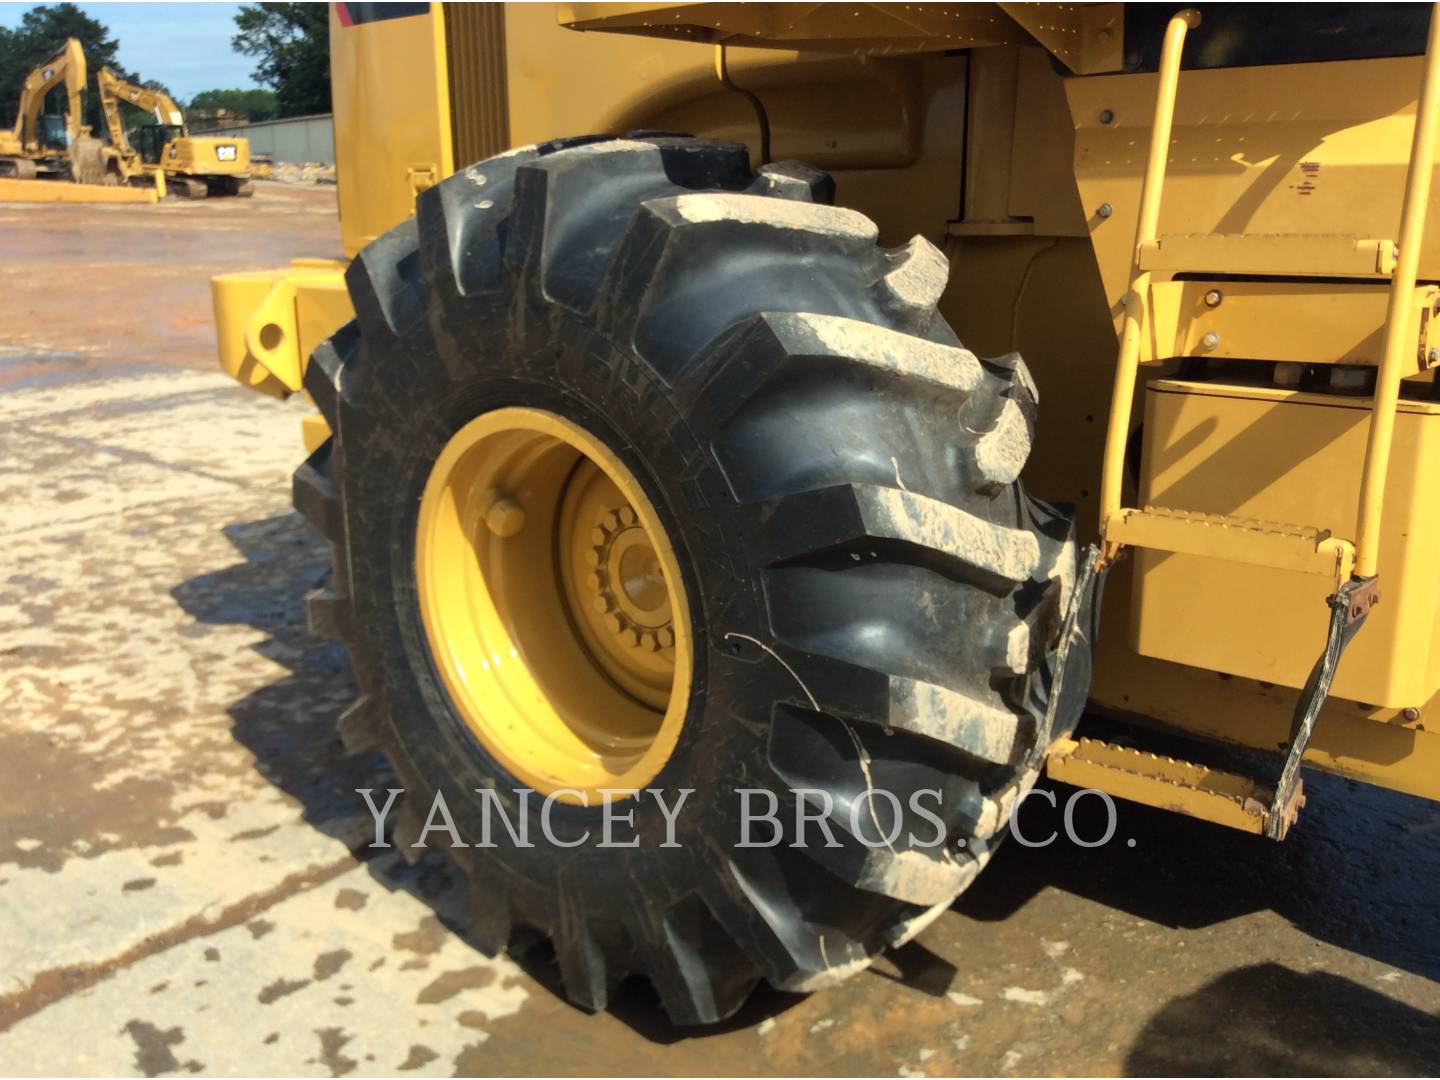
[(1305, 254), (1278, 545), (1225, 798)]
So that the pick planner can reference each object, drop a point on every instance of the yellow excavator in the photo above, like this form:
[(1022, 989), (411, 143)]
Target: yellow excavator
[(42, 146), (193, 166)]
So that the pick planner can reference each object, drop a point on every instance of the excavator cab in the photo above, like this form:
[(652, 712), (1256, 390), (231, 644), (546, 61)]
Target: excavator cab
[(151, 140), (50, 132)]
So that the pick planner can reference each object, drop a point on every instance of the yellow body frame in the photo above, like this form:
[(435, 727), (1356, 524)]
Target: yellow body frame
[(953, 121)]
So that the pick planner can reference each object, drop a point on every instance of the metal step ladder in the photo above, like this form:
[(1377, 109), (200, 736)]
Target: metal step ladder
[(1350, 563)]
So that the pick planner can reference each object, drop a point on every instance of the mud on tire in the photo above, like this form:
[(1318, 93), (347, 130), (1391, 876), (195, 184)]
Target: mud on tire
[(876, 602)]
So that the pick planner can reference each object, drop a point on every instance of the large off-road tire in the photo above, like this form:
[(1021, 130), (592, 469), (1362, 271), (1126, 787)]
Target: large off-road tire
[(873, 601)]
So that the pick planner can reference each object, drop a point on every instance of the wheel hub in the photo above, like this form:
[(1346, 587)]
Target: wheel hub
[(552, 603), (628, 583), (615, 586)]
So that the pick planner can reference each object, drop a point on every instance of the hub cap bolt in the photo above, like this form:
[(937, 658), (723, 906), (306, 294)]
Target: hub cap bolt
[(505, 518)]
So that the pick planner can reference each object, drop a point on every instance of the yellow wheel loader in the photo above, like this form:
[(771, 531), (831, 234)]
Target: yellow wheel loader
[(45, 146), (194, 166), (673, 406)]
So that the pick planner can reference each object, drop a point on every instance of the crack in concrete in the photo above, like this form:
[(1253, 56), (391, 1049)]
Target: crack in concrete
[(128, 406), (42, 530), (56, 984), (135, 457)]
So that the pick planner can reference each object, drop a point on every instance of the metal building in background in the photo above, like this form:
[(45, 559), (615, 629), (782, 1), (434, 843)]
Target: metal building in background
[(298, 140)]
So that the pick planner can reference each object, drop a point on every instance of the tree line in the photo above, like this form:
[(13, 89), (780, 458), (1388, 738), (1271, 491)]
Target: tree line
[(289, 41)]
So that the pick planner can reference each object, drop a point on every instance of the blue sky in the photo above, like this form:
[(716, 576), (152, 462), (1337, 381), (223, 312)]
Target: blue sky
[(185, 46)]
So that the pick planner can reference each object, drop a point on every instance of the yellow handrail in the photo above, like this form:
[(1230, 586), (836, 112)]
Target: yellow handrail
[(1127, 363), (1402, 288)]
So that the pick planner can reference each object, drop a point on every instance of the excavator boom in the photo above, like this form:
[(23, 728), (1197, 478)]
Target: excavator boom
[(67, 66), (157, 103)]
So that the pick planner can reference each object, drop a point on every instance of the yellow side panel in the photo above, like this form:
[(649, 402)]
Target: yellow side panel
[(1323, 322), (566, 82), (201, 156), (880, 128), (398, 84), (1318, 149), (1275, 455), (391, 103)]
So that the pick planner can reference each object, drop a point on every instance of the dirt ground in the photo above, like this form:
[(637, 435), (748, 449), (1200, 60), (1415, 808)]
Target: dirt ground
[(184, 881)]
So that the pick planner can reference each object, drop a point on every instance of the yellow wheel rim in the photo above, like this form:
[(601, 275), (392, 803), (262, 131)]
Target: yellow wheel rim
[(553, 605)]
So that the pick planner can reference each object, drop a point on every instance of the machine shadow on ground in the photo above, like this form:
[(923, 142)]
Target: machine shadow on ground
[(1346, 875), (1268, 1020)]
